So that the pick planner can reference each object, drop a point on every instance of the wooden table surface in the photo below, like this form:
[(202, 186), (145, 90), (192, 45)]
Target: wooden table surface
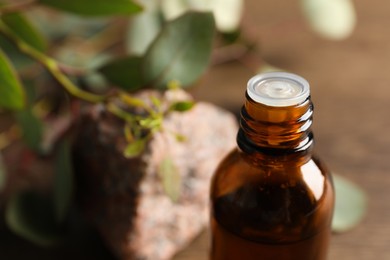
[(350, 83)]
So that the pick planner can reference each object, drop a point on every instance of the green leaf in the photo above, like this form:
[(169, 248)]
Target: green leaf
[(95, 7), (135, 148), (63, 181), (171, 179), (182, 106), (32, 129), (11, 92), (334, 19), (181, 51), (3, 173), (124, 72), (142, 31), (31, 216), (151, 122), (25, 30), (228, 14), (351, 203)]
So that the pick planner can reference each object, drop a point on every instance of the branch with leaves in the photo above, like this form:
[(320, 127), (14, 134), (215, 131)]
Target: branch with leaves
[(179, 52)]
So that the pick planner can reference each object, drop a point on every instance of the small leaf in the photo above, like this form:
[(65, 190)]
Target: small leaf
[(151, 123), (31, 216), (63, 181), (135, 148), (334, 19), (25, 30), (227, 14), (173, 8), (171, 179), (96, 7), (182, 106), (3, 174), (142, 31), (181, 51), (32, 129), (124, 72), (11, 92), (350, 205)]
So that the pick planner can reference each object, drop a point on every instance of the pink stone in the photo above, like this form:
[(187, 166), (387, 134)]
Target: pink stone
[(125, 198)]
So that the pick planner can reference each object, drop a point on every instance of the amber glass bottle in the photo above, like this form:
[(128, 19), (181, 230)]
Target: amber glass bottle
[(271, 199)]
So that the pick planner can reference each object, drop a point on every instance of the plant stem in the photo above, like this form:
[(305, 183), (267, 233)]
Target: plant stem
[(51, 65), (12, 8), (119, 112)]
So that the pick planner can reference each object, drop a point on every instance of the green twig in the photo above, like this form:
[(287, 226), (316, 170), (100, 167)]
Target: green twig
[(51, 65), (119, 112)]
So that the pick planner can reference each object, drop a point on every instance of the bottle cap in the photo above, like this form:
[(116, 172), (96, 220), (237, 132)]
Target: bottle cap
[(278, 89)]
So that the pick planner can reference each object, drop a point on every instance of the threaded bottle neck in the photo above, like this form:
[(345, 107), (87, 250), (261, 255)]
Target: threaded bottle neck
[(275, 130), (277, 115)]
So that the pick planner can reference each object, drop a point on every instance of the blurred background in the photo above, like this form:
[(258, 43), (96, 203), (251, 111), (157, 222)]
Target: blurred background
[(349, 73)]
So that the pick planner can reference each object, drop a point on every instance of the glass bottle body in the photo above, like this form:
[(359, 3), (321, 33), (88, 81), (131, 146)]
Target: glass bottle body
[(276, 211)]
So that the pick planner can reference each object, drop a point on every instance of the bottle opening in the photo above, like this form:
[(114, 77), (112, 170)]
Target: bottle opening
[(278, 89)]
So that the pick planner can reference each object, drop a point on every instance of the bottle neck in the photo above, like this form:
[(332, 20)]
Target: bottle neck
[(276, 131)]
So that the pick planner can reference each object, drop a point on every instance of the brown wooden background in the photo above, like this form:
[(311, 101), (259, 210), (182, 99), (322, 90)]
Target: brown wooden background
[(350, 82)]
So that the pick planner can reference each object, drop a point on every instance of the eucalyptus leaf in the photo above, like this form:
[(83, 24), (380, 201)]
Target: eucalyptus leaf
[(143, 29), (334, 19), (32, 129), (25, 30), (351, 204), (96, 7), (182, 106), (181, 51), (227, 14), (135, 148), (63, 181), (11, 92), (174, 8), (31, 216), (171, 179), (124, 73)]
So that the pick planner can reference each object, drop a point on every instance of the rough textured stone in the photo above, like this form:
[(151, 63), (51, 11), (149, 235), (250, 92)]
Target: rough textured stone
[(125, 198)]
